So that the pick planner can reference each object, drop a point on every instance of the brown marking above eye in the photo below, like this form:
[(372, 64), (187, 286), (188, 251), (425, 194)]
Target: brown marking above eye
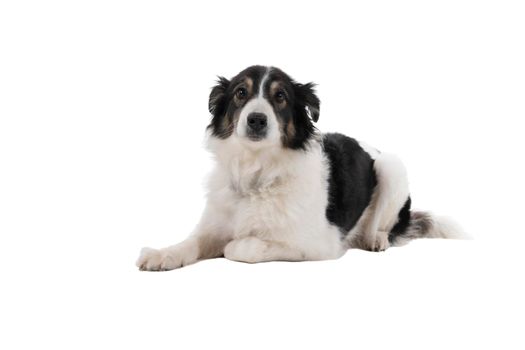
[(278, 93), (243, 89)]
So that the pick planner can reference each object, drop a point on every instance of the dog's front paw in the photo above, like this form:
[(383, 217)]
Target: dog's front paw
[(158, 260)]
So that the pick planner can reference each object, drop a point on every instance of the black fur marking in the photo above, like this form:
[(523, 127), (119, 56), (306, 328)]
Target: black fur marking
[(295, 116), (217, 107), (306, 94), (351, 183), (305, 100), (403, 222)]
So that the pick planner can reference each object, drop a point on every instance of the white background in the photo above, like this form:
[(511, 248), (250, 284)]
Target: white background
[(103, 106)]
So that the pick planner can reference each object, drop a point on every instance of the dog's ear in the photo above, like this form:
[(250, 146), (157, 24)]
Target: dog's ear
[(306, 97), (217, 101)]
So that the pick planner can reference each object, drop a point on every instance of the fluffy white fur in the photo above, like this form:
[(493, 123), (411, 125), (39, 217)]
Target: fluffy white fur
[(267, 204)]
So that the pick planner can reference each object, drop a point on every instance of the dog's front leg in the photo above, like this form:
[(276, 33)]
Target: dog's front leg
[(252, 250), (207, 242)]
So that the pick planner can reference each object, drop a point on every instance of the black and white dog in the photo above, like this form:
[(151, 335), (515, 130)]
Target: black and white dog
[(282, 191)]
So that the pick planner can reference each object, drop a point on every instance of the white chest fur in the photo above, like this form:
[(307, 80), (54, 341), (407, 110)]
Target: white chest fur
[(279, 195)]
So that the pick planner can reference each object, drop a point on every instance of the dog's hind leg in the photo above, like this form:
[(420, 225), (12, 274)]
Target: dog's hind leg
[(390, 194)]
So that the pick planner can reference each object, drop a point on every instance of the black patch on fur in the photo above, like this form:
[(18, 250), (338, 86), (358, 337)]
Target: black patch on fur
[(403, 221), (217, 107), (301, 108), (306, 106), (351, 183), (306, 97)]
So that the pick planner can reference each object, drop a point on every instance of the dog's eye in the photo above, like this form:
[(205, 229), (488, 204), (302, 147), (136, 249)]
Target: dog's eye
[(241, 93), (279, 96)]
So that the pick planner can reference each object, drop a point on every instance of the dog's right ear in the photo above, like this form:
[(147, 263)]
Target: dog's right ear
[(217, 101)]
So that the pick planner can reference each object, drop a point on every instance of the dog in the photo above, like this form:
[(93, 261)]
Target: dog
[(280, 190)]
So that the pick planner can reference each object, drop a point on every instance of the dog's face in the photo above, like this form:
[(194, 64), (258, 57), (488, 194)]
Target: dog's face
[(262, 106)]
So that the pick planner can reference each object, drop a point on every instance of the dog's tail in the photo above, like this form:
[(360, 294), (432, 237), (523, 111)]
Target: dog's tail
[(426, 225)]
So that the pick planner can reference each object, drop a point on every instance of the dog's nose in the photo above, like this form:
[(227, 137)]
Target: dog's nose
[(257, 121)]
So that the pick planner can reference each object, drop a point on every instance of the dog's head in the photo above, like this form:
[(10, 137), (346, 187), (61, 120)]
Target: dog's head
[(263, 106)]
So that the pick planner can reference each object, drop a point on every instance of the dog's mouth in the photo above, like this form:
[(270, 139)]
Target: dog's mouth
[(255, 136)]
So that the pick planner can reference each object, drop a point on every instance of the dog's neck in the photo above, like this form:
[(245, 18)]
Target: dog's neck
[(258, 171)]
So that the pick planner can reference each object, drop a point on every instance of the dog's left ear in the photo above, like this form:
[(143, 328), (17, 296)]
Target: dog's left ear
[(217, 101), (305, 95)]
